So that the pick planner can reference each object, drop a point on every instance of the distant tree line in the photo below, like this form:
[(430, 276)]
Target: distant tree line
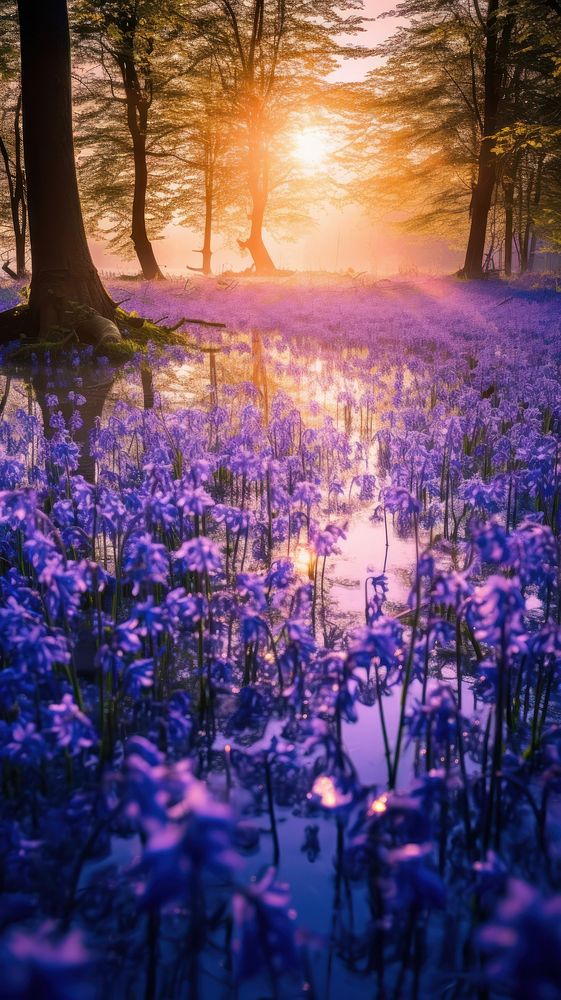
[(185, 112), (465, 134)]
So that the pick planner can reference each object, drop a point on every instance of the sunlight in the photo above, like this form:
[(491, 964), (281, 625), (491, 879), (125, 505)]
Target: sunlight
[(303, 560), (330, 796), (311, 146), (378, 806)]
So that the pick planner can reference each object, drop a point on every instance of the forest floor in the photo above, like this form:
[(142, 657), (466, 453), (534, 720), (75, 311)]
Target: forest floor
[(360, 308), (325, 305), (374, 465)]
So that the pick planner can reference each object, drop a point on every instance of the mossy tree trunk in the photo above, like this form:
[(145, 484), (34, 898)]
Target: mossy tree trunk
[(63, 272)]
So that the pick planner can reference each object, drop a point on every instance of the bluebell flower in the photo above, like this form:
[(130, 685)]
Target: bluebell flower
[(376, 596), (493, 542), (281, 575), (382, 640), (535, 556), (145, 562), (194, 499), (72, 729), (453, 589), (17, 508), (43, 963), (264, 930), (11, 472), (496, 610), (187, 831), (251, 710), (139, 676), (252, 586), (488, 497), (25, 744), (413, 882), (199, 555), (396, 499), (324, 541), (522, 943)]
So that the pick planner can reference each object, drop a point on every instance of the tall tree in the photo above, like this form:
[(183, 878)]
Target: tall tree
[(462, 119), (62, 269), (273, 57), (11, 151), (211, 187), (417, 151), (13, 215), (497, 24), (529, 143), (129, 40)]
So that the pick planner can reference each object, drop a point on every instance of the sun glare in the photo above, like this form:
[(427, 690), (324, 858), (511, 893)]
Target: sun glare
[(310, 146)]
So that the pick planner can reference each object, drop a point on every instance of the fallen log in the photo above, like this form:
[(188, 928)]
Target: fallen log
[(12, 274), (97, 330), (198, 322)]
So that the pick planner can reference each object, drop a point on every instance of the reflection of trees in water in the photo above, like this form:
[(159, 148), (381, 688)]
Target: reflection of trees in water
[(147, 382), (93, 384), (259, 371), (5, 395), (259, 376)]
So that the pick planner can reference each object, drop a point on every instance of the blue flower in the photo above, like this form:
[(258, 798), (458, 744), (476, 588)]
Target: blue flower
[(199, 555), (44, 964), (145, 562), (71, 728), (496, 610), (396, 499), (139, 676), (264, 930), (522, 944), (25, 745), (413, 883)]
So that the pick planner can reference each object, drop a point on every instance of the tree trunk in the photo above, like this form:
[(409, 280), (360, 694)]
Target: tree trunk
[(509, 224), (480, 206), (526, 223), (62, 268), (142, 245), (259, 192), (537, 199), (96, 391), (532, 254), (495, 56), (16, 194), (20, 255), (207, 240), (206, 251), (138, 106), (20, 206), (255, 244), (147, 381)]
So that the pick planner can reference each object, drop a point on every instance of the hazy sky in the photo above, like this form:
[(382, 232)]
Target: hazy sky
[(377, 30), (339, 240)]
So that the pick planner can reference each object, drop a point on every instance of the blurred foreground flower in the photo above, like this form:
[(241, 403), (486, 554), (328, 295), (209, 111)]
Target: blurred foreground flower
[(522, 944)]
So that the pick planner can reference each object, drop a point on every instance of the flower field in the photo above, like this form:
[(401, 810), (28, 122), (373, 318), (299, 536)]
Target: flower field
[(280, 648)]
